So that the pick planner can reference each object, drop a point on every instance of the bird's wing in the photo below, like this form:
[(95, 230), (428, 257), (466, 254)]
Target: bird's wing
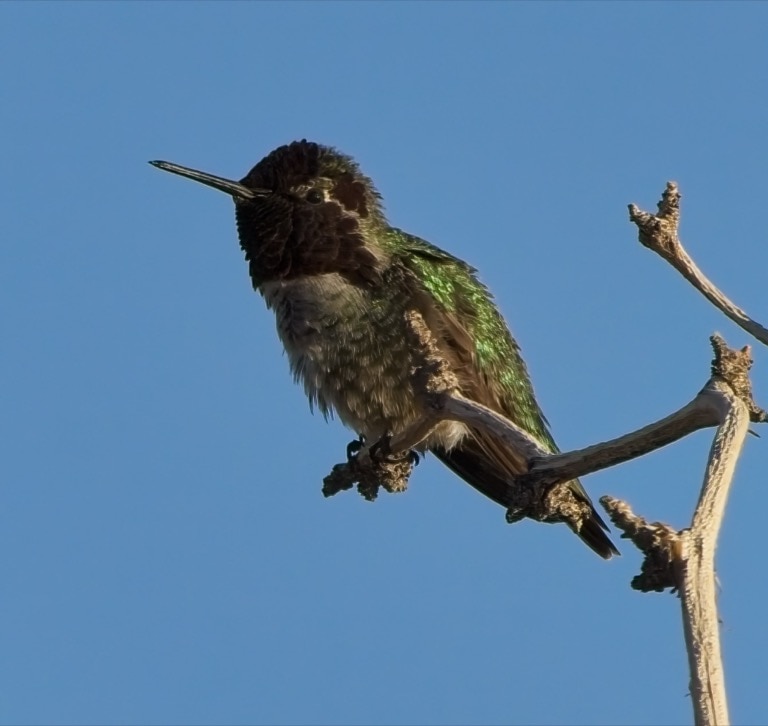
[(475, 339), (463, 316)]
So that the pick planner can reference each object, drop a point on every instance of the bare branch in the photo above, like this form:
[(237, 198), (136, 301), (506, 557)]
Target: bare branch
[(659, 542), (697, 414), (685, 561), (369, 475), (696, 569), (659, 232), (697, 563)]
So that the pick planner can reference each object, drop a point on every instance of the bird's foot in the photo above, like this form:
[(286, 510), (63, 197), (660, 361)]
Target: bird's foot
[(381, 453), (379, 469), (390, 471), (355, 447)]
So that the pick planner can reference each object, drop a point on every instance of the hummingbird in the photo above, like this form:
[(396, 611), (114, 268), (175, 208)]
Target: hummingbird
[(340, 280)]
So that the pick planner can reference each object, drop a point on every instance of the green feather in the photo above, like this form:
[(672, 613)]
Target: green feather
[(454, 286)]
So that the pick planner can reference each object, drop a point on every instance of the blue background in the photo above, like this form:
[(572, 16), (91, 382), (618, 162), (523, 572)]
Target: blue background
[(167, 556)]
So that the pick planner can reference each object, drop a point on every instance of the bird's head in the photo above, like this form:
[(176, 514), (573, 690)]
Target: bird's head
[(304, 209)]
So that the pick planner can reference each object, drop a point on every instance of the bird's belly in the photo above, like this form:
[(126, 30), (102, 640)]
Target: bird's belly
[(349, 349)]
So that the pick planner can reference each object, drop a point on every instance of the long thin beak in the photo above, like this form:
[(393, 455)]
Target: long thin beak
[(233, 188)]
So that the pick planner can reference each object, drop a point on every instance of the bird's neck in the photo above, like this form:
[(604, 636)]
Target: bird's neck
[(352, 254)]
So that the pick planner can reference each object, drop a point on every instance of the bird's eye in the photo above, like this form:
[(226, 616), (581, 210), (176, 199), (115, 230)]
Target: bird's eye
[(314, 196)]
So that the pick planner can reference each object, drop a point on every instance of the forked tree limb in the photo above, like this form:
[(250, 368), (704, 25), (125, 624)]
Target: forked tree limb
[(685, 560)]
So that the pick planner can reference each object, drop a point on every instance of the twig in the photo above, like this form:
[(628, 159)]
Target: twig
[(659, 232), (660, 543), (697, 414)]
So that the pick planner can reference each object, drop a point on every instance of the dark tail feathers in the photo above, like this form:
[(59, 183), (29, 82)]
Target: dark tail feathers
[(474, 469)]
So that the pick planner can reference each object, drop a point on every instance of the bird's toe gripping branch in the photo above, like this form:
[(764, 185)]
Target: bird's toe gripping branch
[(381, 453), (371, 469), (355, 447)]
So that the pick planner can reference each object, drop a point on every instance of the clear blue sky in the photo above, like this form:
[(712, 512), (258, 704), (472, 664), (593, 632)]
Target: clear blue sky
[(167, 556)]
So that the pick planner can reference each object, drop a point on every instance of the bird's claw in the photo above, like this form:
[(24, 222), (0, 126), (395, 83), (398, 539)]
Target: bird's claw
[(354, 447), (380, 452)]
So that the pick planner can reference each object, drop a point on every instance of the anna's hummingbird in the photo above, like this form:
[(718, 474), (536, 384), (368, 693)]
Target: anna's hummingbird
[(340, 280)]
